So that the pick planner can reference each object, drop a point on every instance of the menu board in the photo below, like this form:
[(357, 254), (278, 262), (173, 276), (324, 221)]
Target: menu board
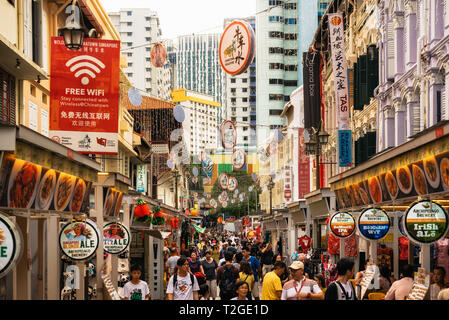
[(420, 286), (342, 224), (30, 186), (425, 222), (373, 224)]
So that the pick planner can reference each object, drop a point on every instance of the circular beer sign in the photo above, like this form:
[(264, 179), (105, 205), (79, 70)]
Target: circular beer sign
[(79, 239), (342, 224), (116, 238), (374, 224), (425, 222), (237, 47), (10, 245)]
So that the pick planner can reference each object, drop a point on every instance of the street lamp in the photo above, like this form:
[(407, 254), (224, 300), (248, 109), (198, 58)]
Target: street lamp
[(270, 187), (313, 147), (176, 175), (74, 31)]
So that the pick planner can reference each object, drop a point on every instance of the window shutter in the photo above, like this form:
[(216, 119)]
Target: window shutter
[(44, 42), (364, 148), (390, 50), (358, 153), (357, 105), (444, 115), (371, 144), (373, 71), (28, 28), (416, 119), (363, 80)]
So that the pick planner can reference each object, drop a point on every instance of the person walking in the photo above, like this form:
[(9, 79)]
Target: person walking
[(241, 290), (271, 285), (227, 276), (183, 285), (342, 288), (400, 289), (267, 259), (224, 248), (439, 273), (257, 270), (136, 289), (210, 266), (300, 288), (246, 275), (171, 261), (195, 264)]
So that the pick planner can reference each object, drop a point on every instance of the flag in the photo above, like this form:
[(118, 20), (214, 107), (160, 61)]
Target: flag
[(199, 229)]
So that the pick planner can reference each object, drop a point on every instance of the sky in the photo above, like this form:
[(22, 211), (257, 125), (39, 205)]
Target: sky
[(181, 17)]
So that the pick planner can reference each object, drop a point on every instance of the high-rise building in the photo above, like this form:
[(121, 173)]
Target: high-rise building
[(322, 6), (198, 64), (282, 34), (239, 94), (139, 29)]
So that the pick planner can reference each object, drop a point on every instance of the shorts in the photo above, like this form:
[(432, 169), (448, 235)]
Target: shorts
[(212, 288)]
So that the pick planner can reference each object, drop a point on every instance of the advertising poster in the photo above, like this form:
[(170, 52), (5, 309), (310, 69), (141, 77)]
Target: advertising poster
[(312, 98), (112, 202), (116, 237), (84, 95), (303, 167), (79, 239), (342, 224), (29, 186), (10, 245), (374, 224), (425, 222)]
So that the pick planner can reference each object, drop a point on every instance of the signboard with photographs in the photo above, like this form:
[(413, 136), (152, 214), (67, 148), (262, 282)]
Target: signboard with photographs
[(30, 186), (10, 245), (112, 202), (116, 237), (342, 224), (370, 280), (79, 240)]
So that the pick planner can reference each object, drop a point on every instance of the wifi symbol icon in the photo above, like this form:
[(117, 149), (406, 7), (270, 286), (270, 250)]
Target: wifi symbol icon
[(83, 66)]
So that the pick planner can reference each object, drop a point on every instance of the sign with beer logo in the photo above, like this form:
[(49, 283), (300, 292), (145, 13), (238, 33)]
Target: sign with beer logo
[(425, 222), (10, 245), (237, 47), (342, 224), (79, 239), (115, 238), (374, 224)]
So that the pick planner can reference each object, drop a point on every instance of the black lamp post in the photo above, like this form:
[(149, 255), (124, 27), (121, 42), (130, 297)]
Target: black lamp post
[(313, 147)]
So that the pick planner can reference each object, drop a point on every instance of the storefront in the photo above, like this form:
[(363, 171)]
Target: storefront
[(410, 184)]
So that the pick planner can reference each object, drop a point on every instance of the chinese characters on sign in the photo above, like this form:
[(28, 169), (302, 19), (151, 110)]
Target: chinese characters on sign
[(287, 183), (303, 167), (345, 148), (141, 184)]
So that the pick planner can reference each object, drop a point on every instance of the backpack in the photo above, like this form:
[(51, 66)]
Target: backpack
[(175, 279), (228, 281), (200, 277)]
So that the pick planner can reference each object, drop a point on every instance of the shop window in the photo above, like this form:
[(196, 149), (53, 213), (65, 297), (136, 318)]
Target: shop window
[(365, 148), (366, 77)]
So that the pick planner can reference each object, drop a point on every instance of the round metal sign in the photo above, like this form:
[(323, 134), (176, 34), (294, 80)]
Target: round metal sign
[(342, 224), (228, 134), (158, 55), (238, 159), (425, 222), (223, 180), (116, 238), (374, 224), (237, 47), (10, 245), (79, 240)]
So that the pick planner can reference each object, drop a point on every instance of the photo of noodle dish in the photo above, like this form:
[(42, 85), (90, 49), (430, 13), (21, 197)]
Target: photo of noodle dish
[(46, 190), (78, 196), (23, 183), (64, 191)]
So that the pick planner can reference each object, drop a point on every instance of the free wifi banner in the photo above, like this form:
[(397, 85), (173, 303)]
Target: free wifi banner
[(84, 95)]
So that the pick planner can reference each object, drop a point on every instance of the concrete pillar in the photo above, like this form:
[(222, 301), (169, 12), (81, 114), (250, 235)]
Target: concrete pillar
[(23, 268), (436, 21), (80, 293), (389, 128), (412, 103), (98, 213), (411, 37), (435, 85), (342, 248), (399, 123), (395, 219), (425, 258), (373, 251), (398, 22)]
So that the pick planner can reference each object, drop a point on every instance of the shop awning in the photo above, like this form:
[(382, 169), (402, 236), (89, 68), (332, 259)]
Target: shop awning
[(299, 217), (10, 56), (269, 225), (282, 223)]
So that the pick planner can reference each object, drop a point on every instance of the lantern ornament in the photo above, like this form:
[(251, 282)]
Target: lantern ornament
[(158, 217), (142, 212)]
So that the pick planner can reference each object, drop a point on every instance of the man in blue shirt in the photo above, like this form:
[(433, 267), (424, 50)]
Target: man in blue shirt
[(257, 270)]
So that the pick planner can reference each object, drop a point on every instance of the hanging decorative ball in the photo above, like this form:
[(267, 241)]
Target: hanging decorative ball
[(134, 97), (158, 55), (179, 114)]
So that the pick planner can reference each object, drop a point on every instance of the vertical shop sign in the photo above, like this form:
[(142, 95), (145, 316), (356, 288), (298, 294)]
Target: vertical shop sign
[(287, 183), (345, 148), (84, 95), (303, 167), (142, 182), (312, 98)]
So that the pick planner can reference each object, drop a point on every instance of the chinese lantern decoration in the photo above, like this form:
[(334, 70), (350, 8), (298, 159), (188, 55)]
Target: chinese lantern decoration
[(194, 211), (220, 220), (158, 217), (142, 212), (174, 223)]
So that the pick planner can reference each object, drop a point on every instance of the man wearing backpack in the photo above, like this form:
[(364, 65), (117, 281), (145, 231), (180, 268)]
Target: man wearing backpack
[(183, 285), (227, 277)]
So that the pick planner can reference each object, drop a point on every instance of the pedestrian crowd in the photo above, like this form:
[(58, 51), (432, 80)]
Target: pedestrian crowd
[(227, 267)]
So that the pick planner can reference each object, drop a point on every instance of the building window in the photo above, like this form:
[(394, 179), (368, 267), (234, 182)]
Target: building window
[(245, 118), (147, 18), (275, 2), (232, 109), (275, 97), (276, 81), (233, 80), (129, 13), (44, 98), (291, 52), (148, 39), (244, 89), (276, 34), (129, 34), (33, 90), (233, 90), (290, 6), (275, 112), (7, 98), (276, 19), (148, 59), (233, 119), (147, 28), (245, 128), (276, 66), (129, 23), (233, 100), (291, 83), (276, 50), (244, 80), (130, 64), (129, 54), (130, 44), (148, 79), (129, 74), (291, 67), (291, 36), (244, 99), (245, 138), (290, 21), (148, 69)]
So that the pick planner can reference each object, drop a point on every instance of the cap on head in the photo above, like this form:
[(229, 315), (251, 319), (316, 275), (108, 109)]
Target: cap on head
[(296, 265)]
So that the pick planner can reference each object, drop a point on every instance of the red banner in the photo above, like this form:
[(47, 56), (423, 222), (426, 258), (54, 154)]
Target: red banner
[(303, 167), (84, 95)]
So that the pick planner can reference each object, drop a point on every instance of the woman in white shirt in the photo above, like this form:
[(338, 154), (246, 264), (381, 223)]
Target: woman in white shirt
[(241, 288)]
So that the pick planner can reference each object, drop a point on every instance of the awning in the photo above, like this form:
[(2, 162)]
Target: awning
[(299, 217), (9, 57), (269, 225)]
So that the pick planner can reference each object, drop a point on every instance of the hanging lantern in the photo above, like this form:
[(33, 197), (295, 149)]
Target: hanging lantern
[(142, 212)]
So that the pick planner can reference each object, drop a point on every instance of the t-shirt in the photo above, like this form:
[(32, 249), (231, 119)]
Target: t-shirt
[(271, 284), (194, 266), (171, 263), (136, 291), (255, 264), (184, 287), (209, 269), (293, 287), (249, 279), (267, 257)]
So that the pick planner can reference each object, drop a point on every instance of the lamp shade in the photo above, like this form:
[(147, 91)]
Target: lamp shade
[(323, 137), (73, 38)]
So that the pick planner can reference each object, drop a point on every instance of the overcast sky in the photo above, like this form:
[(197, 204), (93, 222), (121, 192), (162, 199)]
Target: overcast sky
[(180, 17)]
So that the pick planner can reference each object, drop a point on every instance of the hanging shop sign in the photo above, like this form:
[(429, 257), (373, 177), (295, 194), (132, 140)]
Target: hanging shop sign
[(425, 222), (345, 148), (84, 95), (116, 238), (287, 183), (374, 224), (237, 47), (303, 167), (232, 184), (223, 180), (10, 245), (112, 202), (30, 186), (228, 134), (141, 176), (238, 159), (79, 240), (158, 55), (312, 98), (342, 224)]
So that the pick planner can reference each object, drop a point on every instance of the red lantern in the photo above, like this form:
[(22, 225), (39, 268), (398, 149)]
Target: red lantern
[(141, 210)]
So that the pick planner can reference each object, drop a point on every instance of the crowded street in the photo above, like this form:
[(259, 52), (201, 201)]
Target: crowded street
[(193, 154)]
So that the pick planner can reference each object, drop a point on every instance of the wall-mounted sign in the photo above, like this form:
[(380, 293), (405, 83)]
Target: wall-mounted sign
[(237, 47), (10, 245), (84, 95), (342, 224), (228, 134), (345, 148), (374, 224), (158, 55), (425, 222), (288, 179), (79, 240), (116, 238), (112, 202), (238, 159), (303, 167), (30, 186), (311, 92), (142, 181)]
